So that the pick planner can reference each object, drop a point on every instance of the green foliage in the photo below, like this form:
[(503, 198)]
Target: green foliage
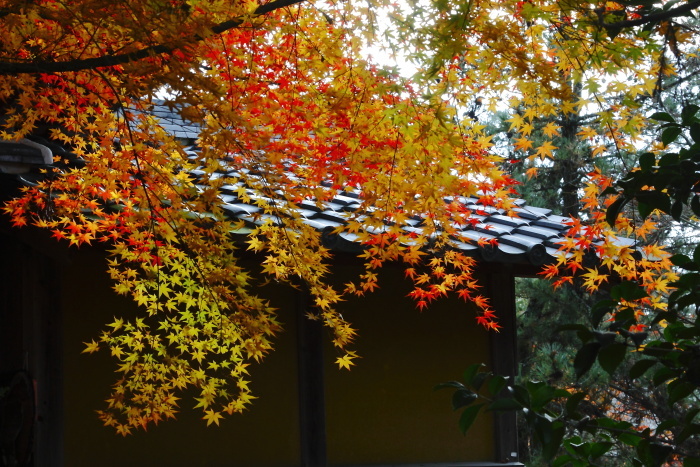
[(565, 435), (666, 358), (669, 183)]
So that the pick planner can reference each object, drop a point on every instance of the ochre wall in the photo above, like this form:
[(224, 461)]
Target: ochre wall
[(266, 435), (383, 411)]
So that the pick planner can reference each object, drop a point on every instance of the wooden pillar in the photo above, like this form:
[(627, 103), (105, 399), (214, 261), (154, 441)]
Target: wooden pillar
[(30, 337), (501, 291), (312, 406)]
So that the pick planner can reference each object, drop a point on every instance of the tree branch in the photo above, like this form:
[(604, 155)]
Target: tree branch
[(16, 68), (660, 16)]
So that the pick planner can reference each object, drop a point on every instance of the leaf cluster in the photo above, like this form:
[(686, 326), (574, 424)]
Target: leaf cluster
[(290, 114), (564, 429), (670, 182), (659, 347)]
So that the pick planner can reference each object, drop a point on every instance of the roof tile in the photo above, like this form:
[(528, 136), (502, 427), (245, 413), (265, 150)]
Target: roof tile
[(532, 235)]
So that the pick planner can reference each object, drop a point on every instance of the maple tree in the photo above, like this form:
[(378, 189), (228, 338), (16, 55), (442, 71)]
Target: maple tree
[(291, 110), (284, 99)]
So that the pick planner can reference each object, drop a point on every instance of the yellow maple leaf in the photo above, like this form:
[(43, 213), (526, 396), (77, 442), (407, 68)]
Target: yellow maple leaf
[(662, 286), (545, 150), (91, 347), (117, 324), (587, 132), (531, 113), (593, 278), (212, 416), (551, 129), (516, 121), (531, 172), (346, 361), (255, 244), (599, 149), (522, 144), (123, 430), (527, 128), (567, 107), (117, 351)]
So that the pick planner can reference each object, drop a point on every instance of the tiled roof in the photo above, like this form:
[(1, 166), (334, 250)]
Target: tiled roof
[(172, 123), (15, 156), (531, 238)]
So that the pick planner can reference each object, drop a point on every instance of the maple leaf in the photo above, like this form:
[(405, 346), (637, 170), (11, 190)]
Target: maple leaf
[(117, 324), (123, 430), (516, 121), (563, 280), (117, 351), (91, 347), (593, 278), (587, 132), (527, 128), (346, 361), (255, 244), (58, 234), (522, 144), (531, 172), (545, 150), (550, 271), (551, 129), (212, 416)]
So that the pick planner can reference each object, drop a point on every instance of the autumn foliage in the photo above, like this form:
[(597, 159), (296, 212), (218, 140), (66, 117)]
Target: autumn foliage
[(292, 110)]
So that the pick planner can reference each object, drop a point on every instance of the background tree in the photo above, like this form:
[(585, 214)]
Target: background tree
[(558, 184), (651, 358)]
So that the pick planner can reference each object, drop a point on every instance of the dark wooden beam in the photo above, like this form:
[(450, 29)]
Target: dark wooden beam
[(312, 405), (30, 345), (501, 291)]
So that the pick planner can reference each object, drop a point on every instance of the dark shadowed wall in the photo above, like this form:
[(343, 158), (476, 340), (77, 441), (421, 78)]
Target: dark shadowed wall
[(384, 411)]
